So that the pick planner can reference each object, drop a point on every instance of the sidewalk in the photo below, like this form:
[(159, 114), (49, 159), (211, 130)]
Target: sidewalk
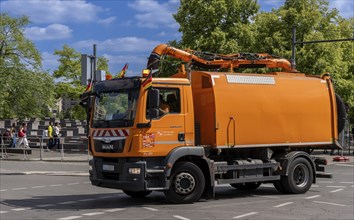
[(53, 156)]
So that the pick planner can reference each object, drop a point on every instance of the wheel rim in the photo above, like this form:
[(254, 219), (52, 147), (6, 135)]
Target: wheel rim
[(184, 183), (301, 175)]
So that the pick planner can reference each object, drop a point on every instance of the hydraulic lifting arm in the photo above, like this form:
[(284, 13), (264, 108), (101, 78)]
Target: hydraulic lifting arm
[(217, 61)]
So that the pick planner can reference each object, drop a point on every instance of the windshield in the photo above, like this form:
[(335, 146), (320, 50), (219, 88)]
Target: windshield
[(115, 109)]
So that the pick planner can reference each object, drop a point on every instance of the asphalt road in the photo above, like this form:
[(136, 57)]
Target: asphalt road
[(66, 197)]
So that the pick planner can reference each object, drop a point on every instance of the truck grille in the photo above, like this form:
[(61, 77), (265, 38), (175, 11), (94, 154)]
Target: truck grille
[(116, 146)]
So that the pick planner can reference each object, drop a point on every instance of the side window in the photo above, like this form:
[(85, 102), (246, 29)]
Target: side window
[(170, 102)]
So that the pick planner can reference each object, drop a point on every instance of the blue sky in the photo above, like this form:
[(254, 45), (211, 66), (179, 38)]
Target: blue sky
[(124, 31)]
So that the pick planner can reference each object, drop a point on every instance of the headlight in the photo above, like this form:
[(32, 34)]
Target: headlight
[(134, 170)]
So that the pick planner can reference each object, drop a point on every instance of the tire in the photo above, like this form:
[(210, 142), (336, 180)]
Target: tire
[(300, 177), (187, 183), (245, 186), (137, 194), (341, 113), (279, 187)]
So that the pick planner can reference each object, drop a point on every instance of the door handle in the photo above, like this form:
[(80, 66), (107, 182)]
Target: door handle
[(181, 136)]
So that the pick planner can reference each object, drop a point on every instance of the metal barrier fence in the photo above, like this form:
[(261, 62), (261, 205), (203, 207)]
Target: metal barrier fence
[(39, 153)]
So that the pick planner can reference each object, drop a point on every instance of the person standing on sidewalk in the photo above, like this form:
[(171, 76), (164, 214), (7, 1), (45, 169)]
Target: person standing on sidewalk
[(56, 135), (22, 137), (50, 136), (13, 136)]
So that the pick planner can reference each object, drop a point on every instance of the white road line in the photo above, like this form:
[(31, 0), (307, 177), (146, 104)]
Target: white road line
[(19, 188), (347, 182), (325, 182), (345, 165), (337, 190), (56, 185), (20, 209), (45, 205), (151, 209), (312, 197), (93, 213), (70, 217), (2, 212), (106, 197), (70, 184), (66, 203), (3, 190), (247, 214), (37, 187), (335, 186), (283, 204), (180, 217), (329, 203), (86, 182), (114, 210)]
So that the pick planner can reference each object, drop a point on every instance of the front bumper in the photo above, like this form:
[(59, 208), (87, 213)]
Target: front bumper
[(116, 174)]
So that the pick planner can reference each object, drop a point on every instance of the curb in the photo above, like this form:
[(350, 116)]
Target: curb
[(47, 173)]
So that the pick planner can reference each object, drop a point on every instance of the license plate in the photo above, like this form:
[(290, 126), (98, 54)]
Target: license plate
[(108, 167)]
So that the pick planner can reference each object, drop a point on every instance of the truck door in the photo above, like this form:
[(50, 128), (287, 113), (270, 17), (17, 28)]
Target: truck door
[(167, 131)]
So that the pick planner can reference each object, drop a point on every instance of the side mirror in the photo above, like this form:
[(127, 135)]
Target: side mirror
[(154, 103)]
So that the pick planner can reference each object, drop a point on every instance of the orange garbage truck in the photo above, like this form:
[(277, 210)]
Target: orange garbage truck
[(186, 134)]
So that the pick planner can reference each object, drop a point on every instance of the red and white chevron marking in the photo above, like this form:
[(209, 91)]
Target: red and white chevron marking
[(110, 133)]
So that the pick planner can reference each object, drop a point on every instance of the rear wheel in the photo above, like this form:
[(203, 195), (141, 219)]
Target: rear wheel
[(300, 177), (246, 186), (187, 183), (279, 187), (137, 194)]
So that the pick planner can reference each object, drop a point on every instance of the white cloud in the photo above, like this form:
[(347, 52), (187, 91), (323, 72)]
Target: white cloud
[(53, 11), (152, 14), (125, 44), (51, 32), (107, 20)]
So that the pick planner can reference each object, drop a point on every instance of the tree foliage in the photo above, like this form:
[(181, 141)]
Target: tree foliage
[(25, 90), (232, 26)]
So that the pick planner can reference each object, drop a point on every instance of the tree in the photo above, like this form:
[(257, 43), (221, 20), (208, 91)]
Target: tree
[(25, 90), (216, 26)]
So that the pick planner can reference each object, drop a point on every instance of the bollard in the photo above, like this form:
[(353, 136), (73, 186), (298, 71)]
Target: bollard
[(62, 148), (41, 149), (3, 151)]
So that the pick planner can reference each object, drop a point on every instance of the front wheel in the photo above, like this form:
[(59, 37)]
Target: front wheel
[(137, 194), (187, 183), (300, 177)]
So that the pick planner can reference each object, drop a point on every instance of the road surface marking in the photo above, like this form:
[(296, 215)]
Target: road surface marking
[(45, 205), (106, 197), (3, 190), (70, 217), (329, 203), (181, 217), (347, 182), (2, 212), (66, 203), (86, 182), (345, 165), (93, 213), (20, 209), (114, 210), (56, 185), (312, 197), (283, 204), (335, 186), (36, 187), (70, 184), (337, 190), (325, 182), (247, 214), (151, 209), (315, 185), (19, 188)]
